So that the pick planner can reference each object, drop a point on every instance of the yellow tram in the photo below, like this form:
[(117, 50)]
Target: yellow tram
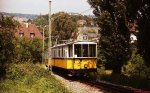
[(74, 57)]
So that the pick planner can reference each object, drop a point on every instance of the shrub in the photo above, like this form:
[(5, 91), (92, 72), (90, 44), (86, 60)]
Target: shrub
[(136, 68), (28, 50), (30, 78)]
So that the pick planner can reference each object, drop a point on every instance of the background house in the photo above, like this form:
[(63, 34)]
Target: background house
[(133, 27), (81, 23), (29, 31), (86, 34)]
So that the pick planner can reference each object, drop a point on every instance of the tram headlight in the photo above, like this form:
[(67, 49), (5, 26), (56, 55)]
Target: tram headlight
[(85, 66)]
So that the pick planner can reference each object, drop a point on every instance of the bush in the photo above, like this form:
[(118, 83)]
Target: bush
[(30, 78), (137, 72), (28, 50), (136, 68)]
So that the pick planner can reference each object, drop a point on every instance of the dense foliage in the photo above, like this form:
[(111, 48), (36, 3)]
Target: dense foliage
[(28, 50), (136, 67), (144, 30), (30, 78), (139, 10), (7, 30), (41, 21), (115, 35), (63, 26)]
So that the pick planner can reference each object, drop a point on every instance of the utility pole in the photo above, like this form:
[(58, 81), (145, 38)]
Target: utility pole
[(43, 53), (50, 42), (43, 56)]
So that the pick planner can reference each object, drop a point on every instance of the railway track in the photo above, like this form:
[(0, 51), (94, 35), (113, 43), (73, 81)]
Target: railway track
[(112, 88), (108, 87)]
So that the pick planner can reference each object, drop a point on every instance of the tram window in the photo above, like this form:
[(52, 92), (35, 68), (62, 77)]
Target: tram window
[(70, 50), (54, 53), (92, 50), (62, 52), (59, 52), (85, 50), (77, 50)]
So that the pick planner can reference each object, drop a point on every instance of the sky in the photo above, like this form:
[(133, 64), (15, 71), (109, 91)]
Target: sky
[(42, 6)]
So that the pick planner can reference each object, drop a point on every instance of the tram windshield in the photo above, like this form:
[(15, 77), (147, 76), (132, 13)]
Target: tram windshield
[(85, 50)]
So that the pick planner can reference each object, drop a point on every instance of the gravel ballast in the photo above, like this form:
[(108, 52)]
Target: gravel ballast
[(77, 87)]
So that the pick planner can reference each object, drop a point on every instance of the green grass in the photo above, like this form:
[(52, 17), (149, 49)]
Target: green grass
[(30, 78)]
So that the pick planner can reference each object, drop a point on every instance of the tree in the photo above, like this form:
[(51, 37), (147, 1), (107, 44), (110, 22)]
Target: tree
[(63, 25), (115, 35), (40, 21), (144, 31), (139, 10), (7, 30), (88, 19)]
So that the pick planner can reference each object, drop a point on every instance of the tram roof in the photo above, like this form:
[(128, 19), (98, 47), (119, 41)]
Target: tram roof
[(76, 42)]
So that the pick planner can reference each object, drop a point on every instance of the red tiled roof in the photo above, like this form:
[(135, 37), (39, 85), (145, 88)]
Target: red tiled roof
[(27, 30), (133, 26)]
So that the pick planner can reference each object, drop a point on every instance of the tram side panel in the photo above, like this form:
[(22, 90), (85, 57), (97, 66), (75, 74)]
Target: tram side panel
[(73, 63), (60, 62), (82, 63), (88, 63), (60, 57)]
